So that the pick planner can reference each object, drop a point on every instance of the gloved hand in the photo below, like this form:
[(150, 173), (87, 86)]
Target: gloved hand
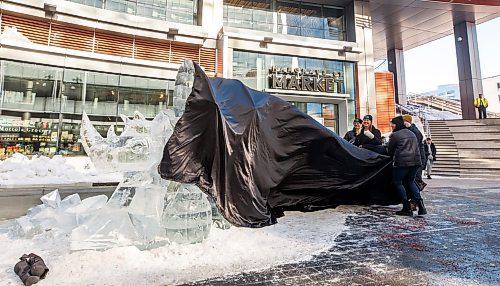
[(369, 134)]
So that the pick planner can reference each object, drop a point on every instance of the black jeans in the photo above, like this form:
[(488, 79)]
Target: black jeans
[(482, 112), (405, 176)]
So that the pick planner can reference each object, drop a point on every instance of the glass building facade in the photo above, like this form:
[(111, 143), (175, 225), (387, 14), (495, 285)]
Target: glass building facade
[(178, 11), (287, 17), (41, 106), (253, 70)]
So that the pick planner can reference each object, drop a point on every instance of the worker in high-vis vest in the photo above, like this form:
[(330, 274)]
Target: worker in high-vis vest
[(481, 103)]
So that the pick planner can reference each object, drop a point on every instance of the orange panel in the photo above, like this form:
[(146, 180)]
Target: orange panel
[(181, 52), (36, 30), (152, 50), (207, 59), (71, 37), (113, 44), (386, 104)]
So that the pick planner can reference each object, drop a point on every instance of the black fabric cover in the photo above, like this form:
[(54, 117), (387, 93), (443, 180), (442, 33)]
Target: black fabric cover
[(256, 155)]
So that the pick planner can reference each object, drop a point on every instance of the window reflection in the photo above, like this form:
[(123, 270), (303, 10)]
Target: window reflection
[(42, 106), (180, 11), (286, 17)]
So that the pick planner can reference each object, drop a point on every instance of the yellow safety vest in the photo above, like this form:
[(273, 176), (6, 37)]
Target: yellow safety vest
[(477, 102)]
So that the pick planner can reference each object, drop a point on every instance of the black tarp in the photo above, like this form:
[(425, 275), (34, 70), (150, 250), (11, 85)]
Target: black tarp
[(256, 155)]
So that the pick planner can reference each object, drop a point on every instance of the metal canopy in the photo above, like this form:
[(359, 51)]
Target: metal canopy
[(406, 24)]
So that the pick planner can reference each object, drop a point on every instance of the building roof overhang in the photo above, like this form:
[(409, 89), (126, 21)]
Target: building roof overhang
[(406, 24)]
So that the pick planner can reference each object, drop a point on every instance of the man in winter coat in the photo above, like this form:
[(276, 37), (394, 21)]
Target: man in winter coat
[(350, 136), (430, 154), (408, 121), (481, 104), (403, 148)]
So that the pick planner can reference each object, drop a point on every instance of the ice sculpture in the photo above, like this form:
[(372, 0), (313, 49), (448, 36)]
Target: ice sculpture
[(144, 210)]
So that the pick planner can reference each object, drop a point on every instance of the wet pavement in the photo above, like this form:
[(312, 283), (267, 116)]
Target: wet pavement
[(457, 243)]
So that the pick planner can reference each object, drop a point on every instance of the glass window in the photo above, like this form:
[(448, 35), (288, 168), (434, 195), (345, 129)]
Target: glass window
[(152, 9), (42, 106), (180, 11), (253, 70), (93, 3), (286, 17), (148, 96), (125, 6), (31, 87), (324, 113)]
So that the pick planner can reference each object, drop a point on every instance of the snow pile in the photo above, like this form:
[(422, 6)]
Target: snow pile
[(20, 170), (12, 33), (297, 236)]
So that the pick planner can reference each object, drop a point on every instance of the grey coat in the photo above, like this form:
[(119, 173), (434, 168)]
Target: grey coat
[(404, 149)]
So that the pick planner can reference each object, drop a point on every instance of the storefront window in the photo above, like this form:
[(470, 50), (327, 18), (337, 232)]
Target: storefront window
[(324, 113), (286, 17), (147, 96), (254, 70), (41, 106), (179, 11)]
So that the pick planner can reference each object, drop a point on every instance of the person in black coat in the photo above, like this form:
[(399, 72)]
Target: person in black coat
[(408, 119), (403, 148), (430, 155), (369, 135), (350, 136)]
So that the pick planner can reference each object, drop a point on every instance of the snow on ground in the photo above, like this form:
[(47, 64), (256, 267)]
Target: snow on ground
[(20, 170), (297, 236)]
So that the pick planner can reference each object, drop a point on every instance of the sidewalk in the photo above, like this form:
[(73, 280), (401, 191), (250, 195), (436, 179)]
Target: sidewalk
[(457, 243)]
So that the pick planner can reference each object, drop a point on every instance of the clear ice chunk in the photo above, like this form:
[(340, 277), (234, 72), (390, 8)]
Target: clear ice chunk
[(187, 218), (71, 201), (52, 199)]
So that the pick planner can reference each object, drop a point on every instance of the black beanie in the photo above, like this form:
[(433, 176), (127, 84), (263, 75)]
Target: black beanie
[(399, 122), (369, 117)]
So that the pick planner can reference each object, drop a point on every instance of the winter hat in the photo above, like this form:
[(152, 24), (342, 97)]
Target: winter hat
[(368, 117), (358, 121), (399, 122), (408, 118)]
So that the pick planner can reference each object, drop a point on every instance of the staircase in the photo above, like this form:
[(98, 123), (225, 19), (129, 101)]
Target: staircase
[(467, 148), (448, 162)]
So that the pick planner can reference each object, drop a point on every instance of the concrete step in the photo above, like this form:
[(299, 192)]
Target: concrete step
[(479, 154)]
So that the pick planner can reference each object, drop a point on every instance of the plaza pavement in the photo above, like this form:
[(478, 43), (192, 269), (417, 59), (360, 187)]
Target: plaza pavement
[(457, 243)]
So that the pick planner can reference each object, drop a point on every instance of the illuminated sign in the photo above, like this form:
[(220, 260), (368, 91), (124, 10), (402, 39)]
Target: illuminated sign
[(305, 80)]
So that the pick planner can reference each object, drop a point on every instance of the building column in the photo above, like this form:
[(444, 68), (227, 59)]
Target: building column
[(396, 64), (366, 76), (469, 69)]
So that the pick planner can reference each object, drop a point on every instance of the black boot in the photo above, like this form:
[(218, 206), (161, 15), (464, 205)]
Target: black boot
[(421, 207), (406, 211)]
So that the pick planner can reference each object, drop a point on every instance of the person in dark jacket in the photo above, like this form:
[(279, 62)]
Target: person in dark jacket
[(408, 119), (350, 136), (403, 148), (369, 135), (430, 154)]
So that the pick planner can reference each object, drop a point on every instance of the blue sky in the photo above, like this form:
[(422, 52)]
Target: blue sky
[(435, 63)]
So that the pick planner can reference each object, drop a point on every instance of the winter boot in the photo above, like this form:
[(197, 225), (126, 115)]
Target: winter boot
[(421, 207), (413, 205), (406, 211), (22, 269), (38, 267)]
